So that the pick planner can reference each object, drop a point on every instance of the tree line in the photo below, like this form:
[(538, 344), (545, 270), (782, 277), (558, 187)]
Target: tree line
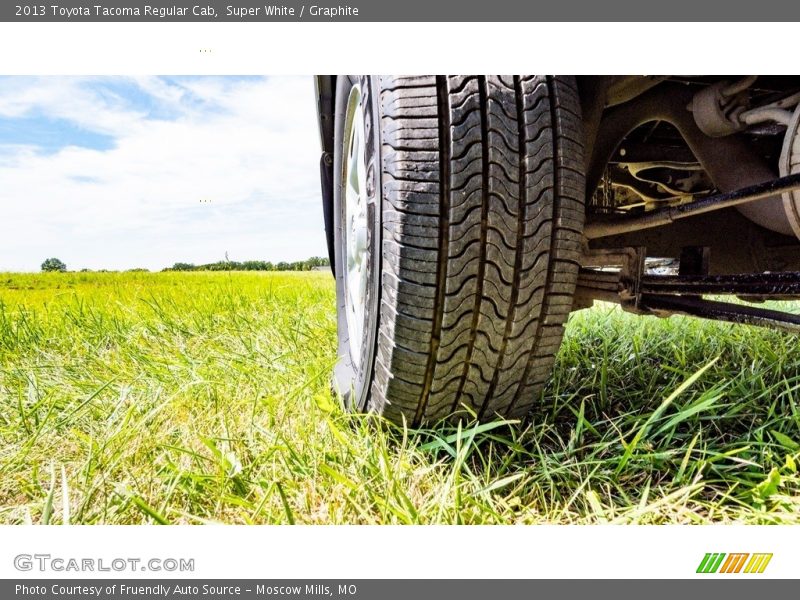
[(253, 265), (54, 264)]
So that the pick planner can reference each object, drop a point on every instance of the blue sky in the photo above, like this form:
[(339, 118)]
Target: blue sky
[(124, 172)]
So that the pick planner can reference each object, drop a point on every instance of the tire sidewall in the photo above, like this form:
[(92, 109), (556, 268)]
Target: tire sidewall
[(353, 381)]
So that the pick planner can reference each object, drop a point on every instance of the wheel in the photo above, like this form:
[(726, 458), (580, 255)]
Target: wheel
[(459, 211)]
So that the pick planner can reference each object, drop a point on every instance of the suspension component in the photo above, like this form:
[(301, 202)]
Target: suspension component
[(605, 227), (663, 296), (730, 162), (721, 311)]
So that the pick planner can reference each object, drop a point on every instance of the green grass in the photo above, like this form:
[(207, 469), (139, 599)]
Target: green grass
[(204, 397)]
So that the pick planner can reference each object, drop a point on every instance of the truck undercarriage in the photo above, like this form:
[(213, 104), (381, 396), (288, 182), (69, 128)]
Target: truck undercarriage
[(691, 191)]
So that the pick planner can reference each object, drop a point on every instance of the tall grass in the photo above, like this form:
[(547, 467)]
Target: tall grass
[(204, 397)]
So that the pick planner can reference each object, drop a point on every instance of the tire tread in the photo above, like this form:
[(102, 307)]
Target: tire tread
[(482, 185)]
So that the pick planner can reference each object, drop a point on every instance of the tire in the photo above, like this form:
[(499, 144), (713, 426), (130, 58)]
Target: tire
[(474, 218)]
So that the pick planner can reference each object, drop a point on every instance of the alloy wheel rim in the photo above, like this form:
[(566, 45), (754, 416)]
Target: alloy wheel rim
[(355, 225)]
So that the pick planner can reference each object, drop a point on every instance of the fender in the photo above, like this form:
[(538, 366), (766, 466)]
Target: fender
[(324, 88)]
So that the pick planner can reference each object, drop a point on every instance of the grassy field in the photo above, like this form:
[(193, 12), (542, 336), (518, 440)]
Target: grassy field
[(204, 397)]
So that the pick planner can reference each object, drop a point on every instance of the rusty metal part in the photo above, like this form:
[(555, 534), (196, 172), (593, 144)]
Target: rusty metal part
[(663, 295), (620, 284), (628, 263), (620, 269), (730, 162), (762, 285), (597, 285), (720, 311), (664, 216)]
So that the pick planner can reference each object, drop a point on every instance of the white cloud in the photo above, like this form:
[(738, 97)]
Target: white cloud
[(69, 98), (250, 147)]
